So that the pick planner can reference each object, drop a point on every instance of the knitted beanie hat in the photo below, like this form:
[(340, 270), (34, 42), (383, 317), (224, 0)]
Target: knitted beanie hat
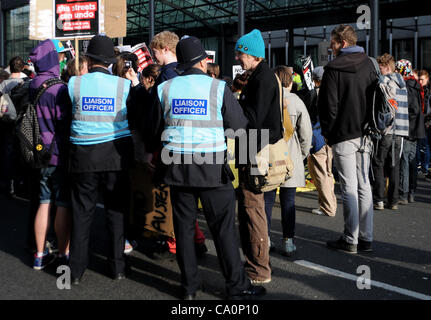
[(404, 67), (251, 43)]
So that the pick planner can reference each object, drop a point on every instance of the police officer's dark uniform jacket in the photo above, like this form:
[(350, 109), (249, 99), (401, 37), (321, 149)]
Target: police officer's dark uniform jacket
[(211, 183)]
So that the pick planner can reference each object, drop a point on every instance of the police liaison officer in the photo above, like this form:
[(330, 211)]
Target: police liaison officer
[(101, 151), (193, 112)]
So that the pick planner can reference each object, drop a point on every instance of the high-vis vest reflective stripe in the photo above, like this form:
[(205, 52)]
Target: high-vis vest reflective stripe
[(99, 112), (192, 112)]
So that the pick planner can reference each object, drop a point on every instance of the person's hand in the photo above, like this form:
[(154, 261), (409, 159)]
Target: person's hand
[(132, 76), (147, 161)]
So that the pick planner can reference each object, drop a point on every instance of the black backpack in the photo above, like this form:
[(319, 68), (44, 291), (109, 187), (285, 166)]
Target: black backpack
[(32, 148)]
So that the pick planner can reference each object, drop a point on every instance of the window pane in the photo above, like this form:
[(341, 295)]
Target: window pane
[(17, 42)]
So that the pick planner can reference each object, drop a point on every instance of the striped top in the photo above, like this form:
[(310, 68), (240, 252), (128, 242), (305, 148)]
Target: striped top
[(396, 81)]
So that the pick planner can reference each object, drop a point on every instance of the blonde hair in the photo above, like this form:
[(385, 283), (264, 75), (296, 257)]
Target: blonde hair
[(387, 60), (165, 39)]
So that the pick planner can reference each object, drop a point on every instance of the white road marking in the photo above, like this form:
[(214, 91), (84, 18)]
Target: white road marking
[(352, 277)]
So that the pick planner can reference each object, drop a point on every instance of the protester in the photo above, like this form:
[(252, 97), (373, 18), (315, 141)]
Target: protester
[(423, 149), (408, 166), (299, 147), (70, 69), (53, 109), (239, 83), (9, 144), (213, 70), (191, 177), (387, 154), (320, 159), (260, 100), (149, 76), (345, 105)]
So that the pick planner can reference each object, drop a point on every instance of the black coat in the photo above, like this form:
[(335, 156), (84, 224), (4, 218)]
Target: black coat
[(345, 98), (416, 116), (260, 100)]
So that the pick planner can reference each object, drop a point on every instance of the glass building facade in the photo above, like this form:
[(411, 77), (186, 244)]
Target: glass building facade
[(16, 34)]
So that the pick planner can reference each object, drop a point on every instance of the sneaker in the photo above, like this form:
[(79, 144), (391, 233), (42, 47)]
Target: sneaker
[(379, 205), (260, 281), (318, 212), (364, 246), (252, 293), (403, 201), (342, 245), (411, 198), (393, 207), (289, 248), (129, 246), (42, 262)]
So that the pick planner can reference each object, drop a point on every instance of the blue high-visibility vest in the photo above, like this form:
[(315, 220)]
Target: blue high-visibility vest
[(192, 112), (99, 112)]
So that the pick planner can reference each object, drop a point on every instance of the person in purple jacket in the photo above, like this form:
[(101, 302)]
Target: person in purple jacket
[(53, 112)]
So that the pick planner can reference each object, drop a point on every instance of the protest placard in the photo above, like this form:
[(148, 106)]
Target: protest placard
[(75, 18), (144, 56)]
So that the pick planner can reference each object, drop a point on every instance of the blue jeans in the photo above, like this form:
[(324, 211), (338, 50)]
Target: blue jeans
[(423, 154), (288, 212), (54, 187)]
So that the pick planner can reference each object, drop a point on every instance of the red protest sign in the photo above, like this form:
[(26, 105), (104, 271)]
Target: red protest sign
[(76, 18)]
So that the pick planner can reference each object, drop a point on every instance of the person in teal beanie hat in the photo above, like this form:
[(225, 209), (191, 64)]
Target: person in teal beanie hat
[(260, 101), (251, 43)]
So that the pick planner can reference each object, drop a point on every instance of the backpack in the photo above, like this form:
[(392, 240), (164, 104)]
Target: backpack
[(27, 129), (384, 105), (9, 100)]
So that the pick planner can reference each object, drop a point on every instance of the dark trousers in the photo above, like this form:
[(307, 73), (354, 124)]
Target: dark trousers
[(383, 158), (408, 169), (219, 208), (288, 212), (85, 187)]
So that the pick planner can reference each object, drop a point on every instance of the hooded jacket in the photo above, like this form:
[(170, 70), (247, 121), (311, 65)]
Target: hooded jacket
[(416, 116), (54, 106), (346, 95)]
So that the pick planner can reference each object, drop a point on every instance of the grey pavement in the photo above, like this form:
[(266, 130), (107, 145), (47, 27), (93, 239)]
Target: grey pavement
[(400, 266)]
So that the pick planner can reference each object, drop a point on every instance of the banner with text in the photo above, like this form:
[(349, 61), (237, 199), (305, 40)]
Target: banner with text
[(144, 56), (76, 18)]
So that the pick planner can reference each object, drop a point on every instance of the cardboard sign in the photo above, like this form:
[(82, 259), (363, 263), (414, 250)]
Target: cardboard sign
[(144, 56), (151, 206), (76, 18), (237, 70)]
